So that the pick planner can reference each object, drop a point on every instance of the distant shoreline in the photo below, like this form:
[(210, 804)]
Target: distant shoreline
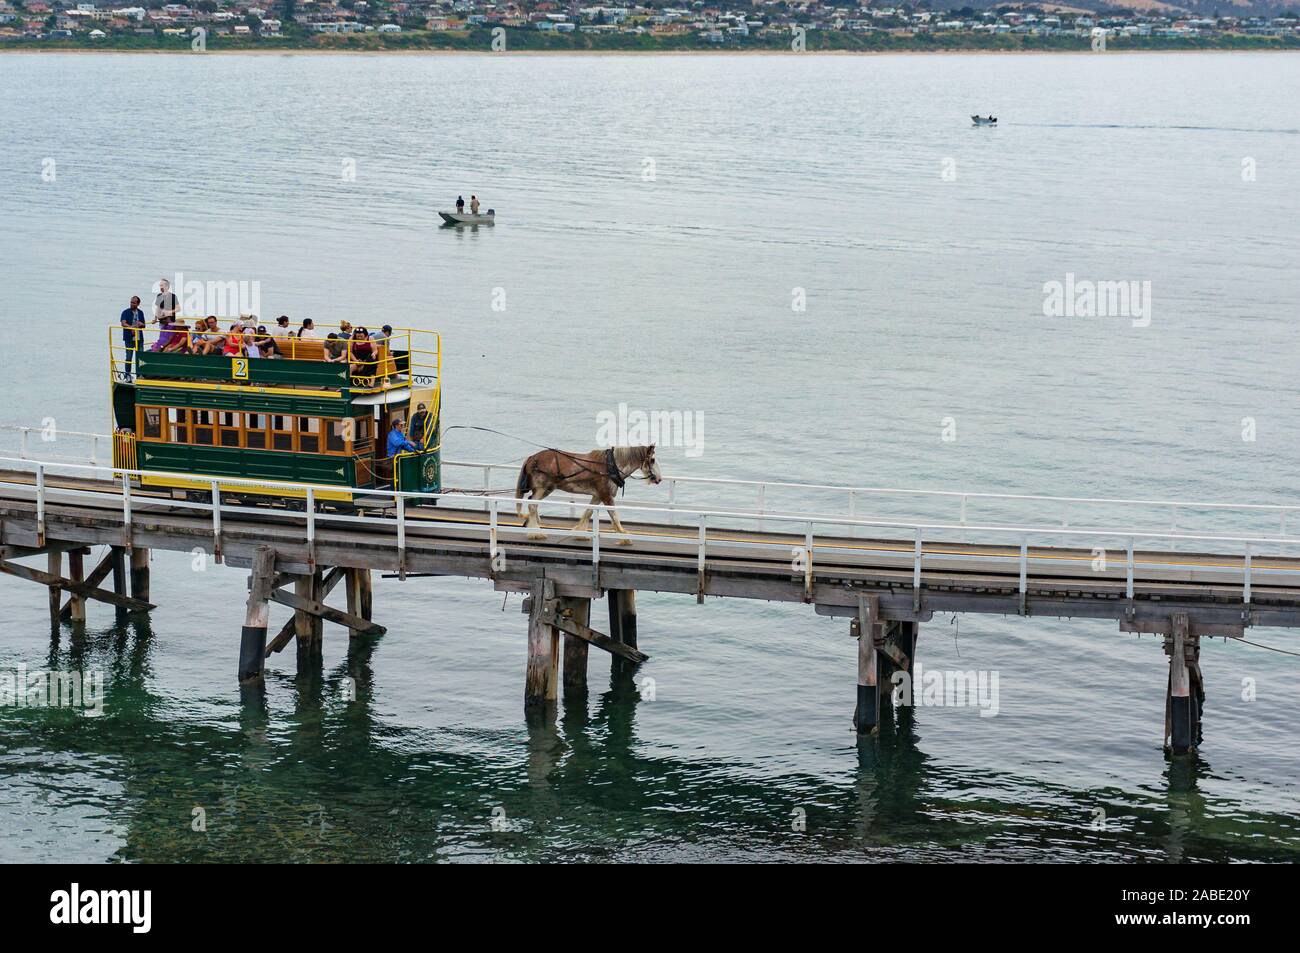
[(525, 43), (98, 49)]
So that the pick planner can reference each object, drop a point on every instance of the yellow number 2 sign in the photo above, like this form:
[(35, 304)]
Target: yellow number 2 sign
[(239, 368)]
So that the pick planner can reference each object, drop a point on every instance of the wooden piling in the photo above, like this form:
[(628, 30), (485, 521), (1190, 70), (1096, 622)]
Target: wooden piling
[(54, 565), (252, 645), (575, 650), (540, 679), (140, 574), (897, 658), (307, 627), (117, 557), (359, 596), (866, 716), (622, 626), (1182, 697), (77, 574)]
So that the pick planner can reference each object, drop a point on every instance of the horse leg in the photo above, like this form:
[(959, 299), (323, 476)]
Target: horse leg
[(539, 493), (584, 523), (616, 522)]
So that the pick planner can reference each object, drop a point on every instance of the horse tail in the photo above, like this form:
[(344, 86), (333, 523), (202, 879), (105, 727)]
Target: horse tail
[(521, 487)]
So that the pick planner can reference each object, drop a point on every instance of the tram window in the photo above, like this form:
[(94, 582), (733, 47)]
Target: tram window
[(152, 429), (255, 431), (203, 432), (178, 420), (281, 433), (336, 436), (363, 430), (230, 424), (309, 434)]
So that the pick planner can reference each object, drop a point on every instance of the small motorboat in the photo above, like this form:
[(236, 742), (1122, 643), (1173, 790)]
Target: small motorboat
[(465, 218), (984, 120)]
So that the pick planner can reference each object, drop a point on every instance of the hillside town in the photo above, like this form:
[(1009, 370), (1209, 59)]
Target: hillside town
[(701, 23)]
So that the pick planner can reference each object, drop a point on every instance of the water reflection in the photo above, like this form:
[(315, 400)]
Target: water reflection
[(308, 768)]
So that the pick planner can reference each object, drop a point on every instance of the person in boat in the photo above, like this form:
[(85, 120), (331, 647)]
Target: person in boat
[(336, 350), (419, 424), (460, 204), (473, 204), (397, 442), (132, 321)]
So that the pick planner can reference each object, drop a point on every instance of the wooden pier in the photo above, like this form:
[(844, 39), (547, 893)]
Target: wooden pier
[(884, 577)]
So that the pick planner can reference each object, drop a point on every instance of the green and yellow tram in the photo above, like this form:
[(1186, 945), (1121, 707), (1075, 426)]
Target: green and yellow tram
[(192, 418)]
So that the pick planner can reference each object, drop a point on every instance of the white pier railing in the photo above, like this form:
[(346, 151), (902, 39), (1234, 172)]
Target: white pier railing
[(800, 540)]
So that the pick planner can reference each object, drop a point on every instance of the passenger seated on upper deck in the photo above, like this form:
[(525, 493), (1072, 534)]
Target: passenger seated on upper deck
[(363, 354), (266, 346), (235, 340), (208, 338), (336, 350), (178, 338)]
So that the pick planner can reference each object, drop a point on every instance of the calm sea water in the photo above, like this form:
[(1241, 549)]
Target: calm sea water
[(770, 174)]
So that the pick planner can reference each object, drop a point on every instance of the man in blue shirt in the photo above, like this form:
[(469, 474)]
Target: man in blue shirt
[(397, 442), (132, 321)]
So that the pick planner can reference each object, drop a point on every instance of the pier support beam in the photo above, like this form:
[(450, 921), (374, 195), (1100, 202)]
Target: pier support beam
[(1185, 693), (252, 643), (140, 574), (117, 563), (307, 627), (575, 649), (54, 566), (868, 630), (360, 599), (622, 627), (896, 659), (77, 574), (540, 679)]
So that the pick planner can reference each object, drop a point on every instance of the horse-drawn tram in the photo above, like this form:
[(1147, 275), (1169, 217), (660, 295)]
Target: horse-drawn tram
[(301, 416)]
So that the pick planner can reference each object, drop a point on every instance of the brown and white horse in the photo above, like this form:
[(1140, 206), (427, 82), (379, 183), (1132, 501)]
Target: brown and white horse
[(601, 473)]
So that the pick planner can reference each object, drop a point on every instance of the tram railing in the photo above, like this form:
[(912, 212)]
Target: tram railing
[(803, 541), (412, 353)]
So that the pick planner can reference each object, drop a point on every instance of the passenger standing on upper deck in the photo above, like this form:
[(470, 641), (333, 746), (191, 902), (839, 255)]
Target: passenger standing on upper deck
[(397, 442), (165, 305), (132, 321)]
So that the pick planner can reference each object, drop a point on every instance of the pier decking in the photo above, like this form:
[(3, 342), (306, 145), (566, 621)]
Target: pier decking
[(886, 576)]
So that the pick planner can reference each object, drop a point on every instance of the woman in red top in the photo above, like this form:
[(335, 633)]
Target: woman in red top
[(362, 354), (235, 340)]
